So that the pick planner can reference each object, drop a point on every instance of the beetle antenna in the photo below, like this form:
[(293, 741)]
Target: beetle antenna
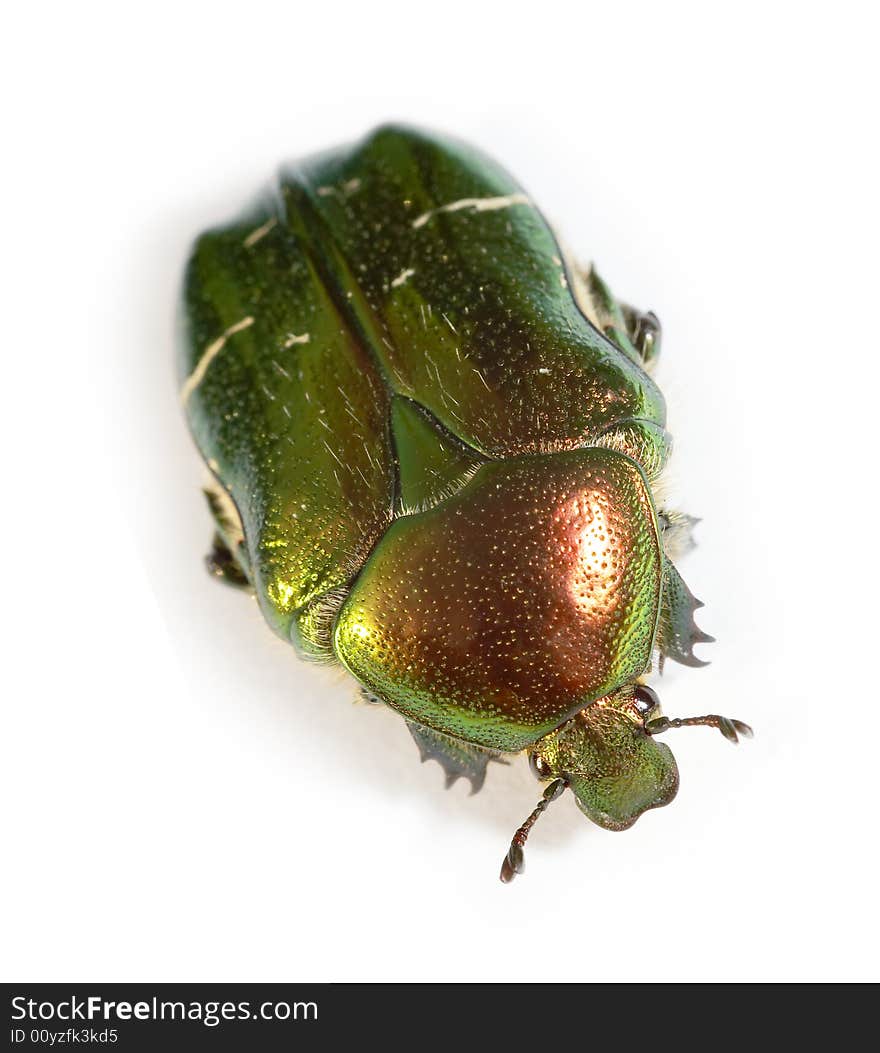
[(726, 725), (514, 863)]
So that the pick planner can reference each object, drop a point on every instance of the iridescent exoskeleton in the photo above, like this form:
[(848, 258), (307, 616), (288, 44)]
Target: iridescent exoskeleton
[(435, 444)]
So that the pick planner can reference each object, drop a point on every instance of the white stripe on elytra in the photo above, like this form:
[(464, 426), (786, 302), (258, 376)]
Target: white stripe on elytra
[(210, 353), (402, 278), (260, 232), (478, 204)]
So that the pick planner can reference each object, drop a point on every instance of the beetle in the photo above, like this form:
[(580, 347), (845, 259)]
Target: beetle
[(435, 445)]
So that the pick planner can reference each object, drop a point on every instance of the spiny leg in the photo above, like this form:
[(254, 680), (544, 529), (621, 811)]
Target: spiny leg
[(677, 532), (224, 560), (459, 760), (677, 632), (637, 333), (223, 565)]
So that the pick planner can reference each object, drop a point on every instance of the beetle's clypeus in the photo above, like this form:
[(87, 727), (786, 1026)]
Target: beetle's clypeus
[(435, 444)]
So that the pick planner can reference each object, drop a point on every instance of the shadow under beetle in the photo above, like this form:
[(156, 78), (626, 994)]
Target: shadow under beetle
[(435, 446)]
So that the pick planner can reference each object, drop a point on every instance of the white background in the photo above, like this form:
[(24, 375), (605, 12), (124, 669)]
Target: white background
[(186, 801)]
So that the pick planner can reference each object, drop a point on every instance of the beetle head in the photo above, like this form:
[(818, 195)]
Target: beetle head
[(606, 754), (607, 757), (614, 767)]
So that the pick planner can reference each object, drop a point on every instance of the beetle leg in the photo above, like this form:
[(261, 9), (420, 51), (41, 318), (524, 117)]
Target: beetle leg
[(677, 530), (728, 726), (460, 760), (677, 632), (222, 561), (644, 331), (636, 333), (223, 565)]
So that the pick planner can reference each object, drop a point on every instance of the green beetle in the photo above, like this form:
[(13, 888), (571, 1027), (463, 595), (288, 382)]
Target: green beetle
[(435, 445)]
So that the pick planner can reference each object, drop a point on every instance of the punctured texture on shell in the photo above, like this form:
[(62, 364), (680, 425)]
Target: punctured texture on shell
[(439, 463), (409, 264), (499, 614)]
